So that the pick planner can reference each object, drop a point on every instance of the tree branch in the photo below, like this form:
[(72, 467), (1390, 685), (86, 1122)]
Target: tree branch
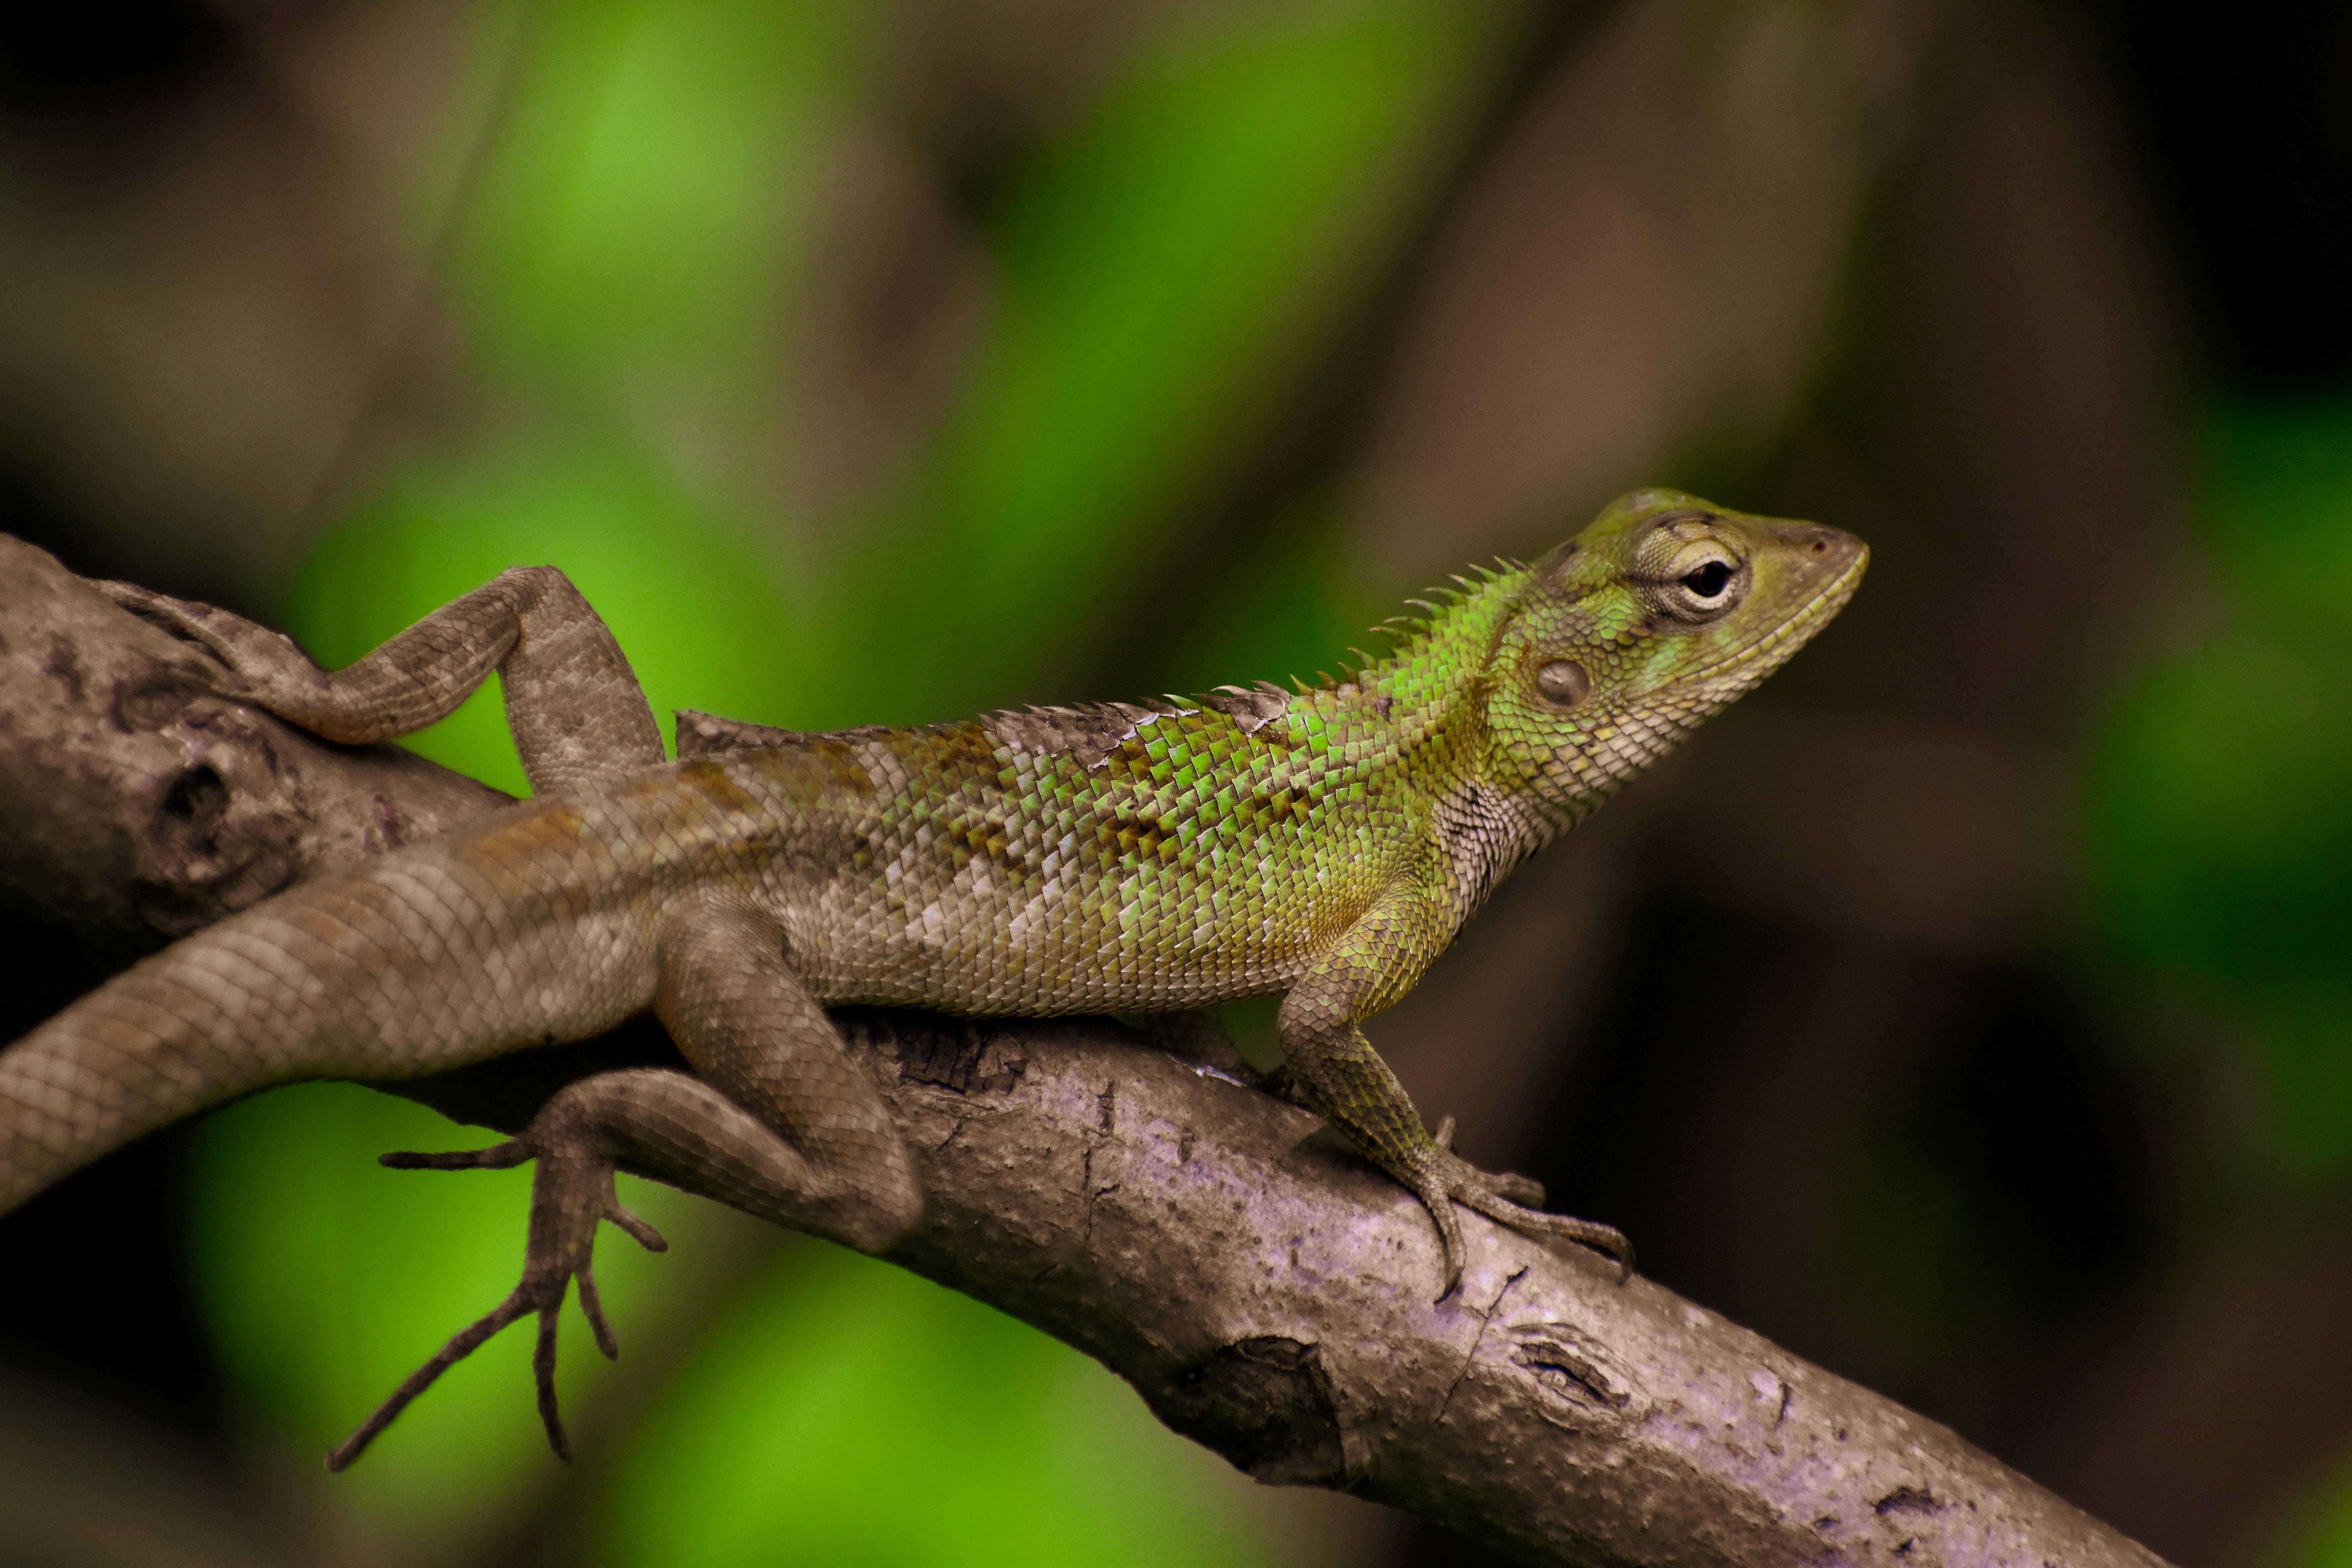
[(1267, 1292)]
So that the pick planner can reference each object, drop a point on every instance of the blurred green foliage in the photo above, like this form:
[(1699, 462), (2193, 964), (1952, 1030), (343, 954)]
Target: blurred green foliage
[(2318, 1534), (2221, 846), (1165, 273), (626, 261), (331, 1278), (850, 1413), (640, 217), (2221, 836), (691, 598)]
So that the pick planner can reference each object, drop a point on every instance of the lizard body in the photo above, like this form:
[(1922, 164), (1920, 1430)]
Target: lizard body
[(1148, 858)]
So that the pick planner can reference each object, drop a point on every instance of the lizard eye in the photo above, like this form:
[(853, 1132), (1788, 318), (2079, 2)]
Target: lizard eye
[(1709, 581), (1696, 584), (1690, 568), (1563, 683)]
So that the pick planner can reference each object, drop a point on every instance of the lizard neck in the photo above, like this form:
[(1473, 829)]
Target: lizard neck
[(1436, 676), (1496, 803), (1435, 684)]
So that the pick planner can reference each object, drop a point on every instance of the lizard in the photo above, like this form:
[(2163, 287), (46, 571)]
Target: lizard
[(1325, 843)]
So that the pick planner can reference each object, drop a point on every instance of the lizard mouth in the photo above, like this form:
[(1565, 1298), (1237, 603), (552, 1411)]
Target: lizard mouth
[(1795, 629)]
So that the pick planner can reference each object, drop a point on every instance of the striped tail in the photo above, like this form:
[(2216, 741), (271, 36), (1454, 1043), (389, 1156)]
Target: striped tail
[(423, 959)]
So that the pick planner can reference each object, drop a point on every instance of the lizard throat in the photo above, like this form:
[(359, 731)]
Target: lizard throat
[(1485, 833)]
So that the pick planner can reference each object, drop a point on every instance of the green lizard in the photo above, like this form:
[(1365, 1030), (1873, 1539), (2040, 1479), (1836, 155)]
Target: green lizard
[(1151, 857)]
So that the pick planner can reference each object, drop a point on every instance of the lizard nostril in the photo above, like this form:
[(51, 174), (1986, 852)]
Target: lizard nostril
[(1820, 547)]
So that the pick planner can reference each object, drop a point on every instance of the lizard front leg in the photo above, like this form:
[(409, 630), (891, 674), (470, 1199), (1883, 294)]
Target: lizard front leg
[(786, 1127), (571, 699), (1346, 1081)]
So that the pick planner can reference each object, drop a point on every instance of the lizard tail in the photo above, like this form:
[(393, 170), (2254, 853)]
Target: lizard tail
[(406, 967)]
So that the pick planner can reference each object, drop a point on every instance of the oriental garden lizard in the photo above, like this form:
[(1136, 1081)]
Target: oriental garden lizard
[(1148, 858)]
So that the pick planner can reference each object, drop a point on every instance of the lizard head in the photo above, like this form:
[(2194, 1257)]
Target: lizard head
[(1659, 614)]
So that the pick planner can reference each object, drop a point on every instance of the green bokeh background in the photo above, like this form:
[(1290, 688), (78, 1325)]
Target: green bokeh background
[(2219, 813), (2221, 796)]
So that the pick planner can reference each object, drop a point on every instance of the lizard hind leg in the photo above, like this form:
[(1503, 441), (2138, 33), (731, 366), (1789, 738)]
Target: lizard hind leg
[(740, 1015), (571, 699), (778, 1121), (575, 1142)]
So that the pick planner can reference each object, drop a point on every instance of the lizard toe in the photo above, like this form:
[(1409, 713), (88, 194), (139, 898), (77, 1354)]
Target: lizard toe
[(178, 616), (542, 1371), (463, 1343), (639, 1231), (1510, 1200), (1536, 1222), (1434, 1197), (1523, 1190), (497, 1157), (592, 1307), (571, 1191)]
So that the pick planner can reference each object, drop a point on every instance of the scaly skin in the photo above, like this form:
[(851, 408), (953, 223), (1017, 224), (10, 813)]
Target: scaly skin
[(1326, 845)]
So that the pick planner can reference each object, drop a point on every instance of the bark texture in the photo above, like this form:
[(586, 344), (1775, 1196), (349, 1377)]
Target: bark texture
[(1268, 1293)]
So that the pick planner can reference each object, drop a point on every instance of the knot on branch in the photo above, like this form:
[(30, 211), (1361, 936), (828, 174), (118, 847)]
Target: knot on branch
[(1266, 1404)]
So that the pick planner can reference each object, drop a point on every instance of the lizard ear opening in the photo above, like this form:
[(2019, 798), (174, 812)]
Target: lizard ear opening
[(1563, 683)]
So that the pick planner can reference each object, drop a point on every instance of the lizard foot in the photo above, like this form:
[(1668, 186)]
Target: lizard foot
[(571, 1190), (228, 637), (1446, 1179)]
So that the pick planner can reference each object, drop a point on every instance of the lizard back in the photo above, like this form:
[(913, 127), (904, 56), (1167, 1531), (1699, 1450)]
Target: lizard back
[(1153, 855)]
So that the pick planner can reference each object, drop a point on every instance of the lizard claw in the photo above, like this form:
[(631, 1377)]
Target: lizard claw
[(571, 1191), (173, 615), (1517, 1189), (1506, 1199)]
